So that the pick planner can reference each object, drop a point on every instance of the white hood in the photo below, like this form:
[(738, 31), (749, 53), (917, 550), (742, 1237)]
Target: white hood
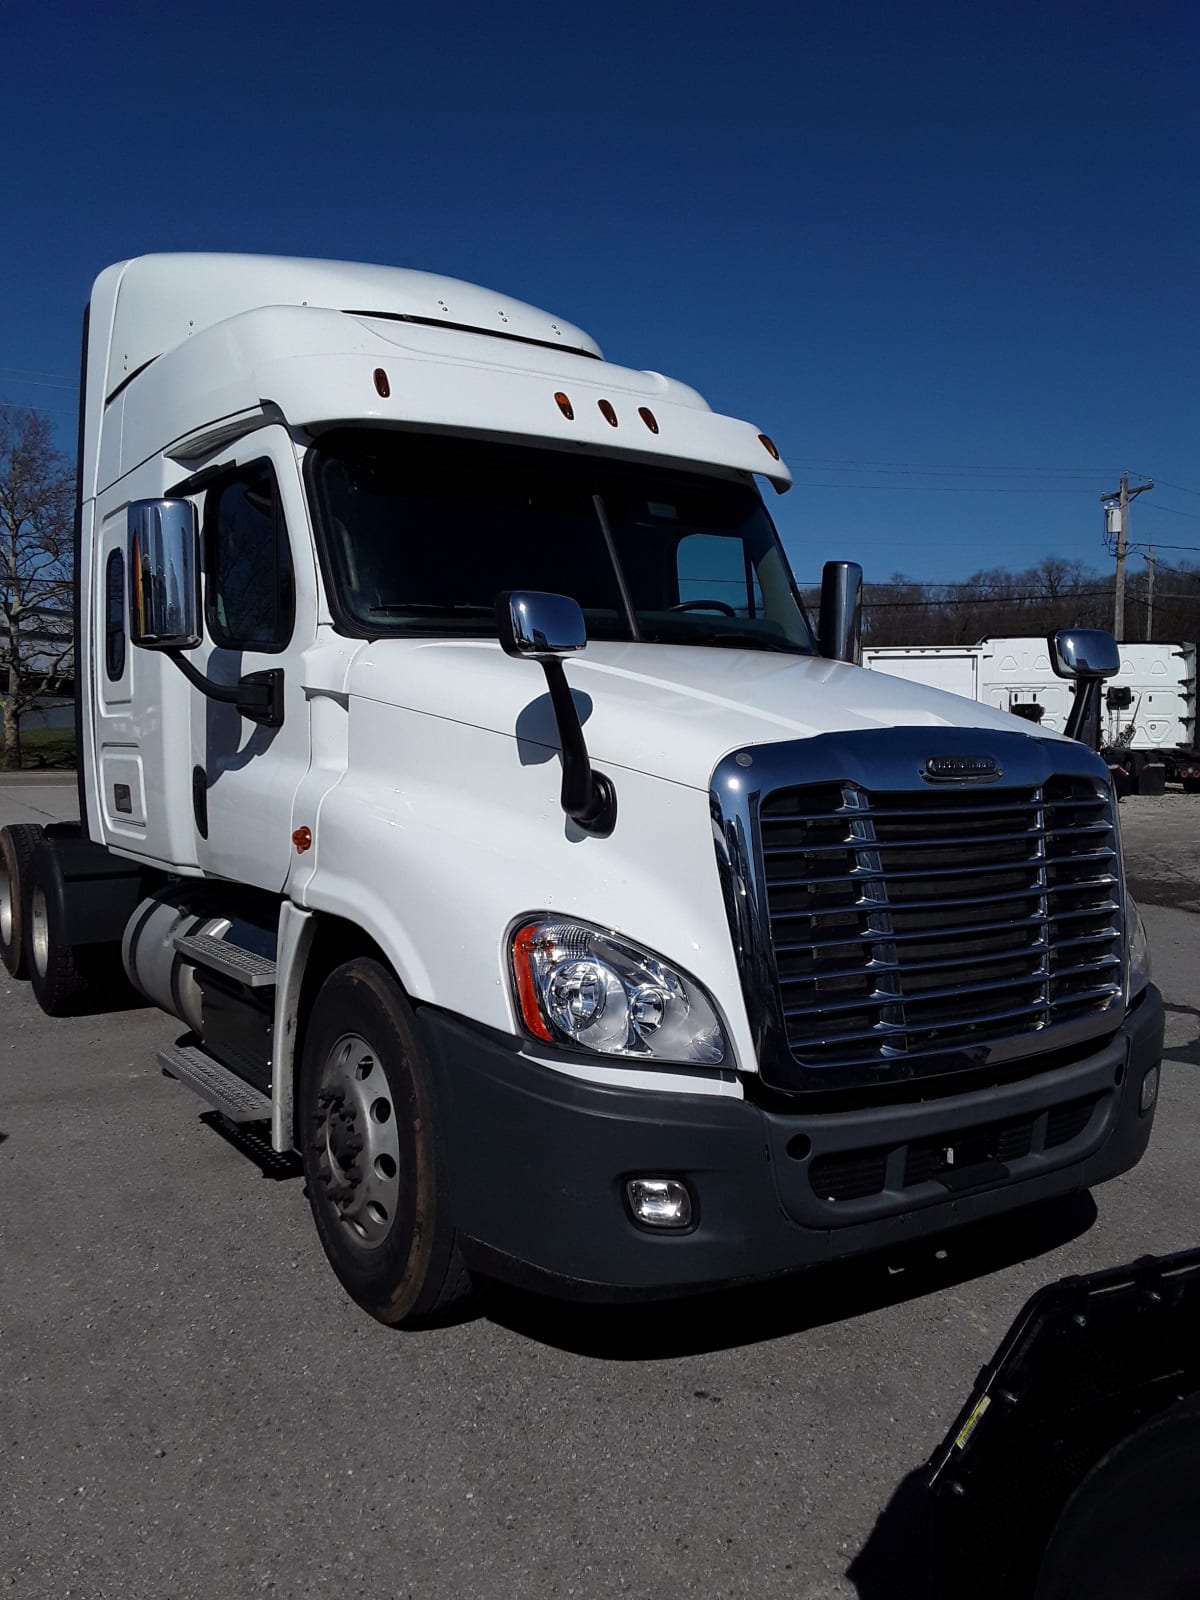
[(671, 711)]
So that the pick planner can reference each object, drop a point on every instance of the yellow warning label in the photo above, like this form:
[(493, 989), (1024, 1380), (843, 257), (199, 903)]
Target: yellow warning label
[(968, 1427)]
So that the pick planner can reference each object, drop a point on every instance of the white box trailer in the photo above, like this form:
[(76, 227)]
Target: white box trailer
[(696, 955)]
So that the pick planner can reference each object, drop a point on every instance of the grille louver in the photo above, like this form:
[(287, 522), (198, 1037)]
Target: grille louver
[(910, 922)]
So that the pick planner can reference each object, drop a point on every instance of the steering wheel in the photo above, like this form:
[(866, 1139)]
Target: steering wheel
[(705, 605)]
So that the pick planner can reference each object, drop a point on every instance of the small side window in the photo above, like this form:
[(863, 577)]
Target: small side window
[(114, 616), (717, 567), (250, 597)]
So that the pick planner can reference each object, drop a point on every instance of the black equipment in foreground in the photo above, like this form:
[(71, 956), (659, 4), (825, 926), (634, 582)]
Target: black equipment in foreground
[(1074, 1467)]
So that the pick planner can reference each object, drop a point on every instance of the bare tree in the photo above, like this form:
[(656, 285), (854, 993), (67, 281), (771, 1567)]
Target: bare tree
[(37, 493)]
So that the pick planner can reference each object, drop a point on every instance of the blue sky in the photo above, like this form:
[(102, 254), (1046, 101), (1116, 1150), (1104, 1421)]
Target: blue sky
[(945, 253)]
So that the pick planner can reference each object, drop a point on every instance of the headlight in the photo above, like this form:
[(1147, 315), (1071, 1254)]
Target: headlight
[(578, 986), (1137, 960)]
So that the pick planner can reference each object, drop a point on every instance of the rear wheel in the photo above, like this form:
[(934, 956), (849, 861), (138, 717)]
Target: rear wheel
[(372, 1151), (17, 844), (67, 980)]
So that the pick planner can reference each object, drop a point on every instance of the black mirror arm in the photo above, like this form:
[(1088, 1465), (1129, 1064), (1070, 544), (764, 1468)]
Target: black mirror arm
[(1083, 721), (588, 797), (258, 696)]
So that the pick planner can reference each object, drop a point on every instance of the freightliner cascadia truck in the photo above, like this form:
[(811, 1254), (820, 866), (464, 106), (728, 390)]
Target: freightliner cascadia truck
[(459, 765)]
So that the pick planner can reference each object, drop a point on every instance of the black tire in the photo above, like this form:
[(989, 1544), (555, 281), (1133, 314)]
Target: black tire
[(1191, 785), (17, 844), (407, 1272), (67, 980), (1129, 1530)]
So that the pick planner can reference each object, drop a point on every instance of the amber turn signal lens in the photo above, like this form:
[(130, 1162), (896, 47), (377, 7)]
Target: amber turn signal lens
[(768, 445), (302, 839), (382, 387), (531, 1015), (565, 406)]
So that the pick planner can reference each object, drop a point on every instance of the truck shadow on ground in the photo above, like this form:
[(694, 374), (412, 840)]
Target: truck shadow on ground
[(818, 1297), (1187, 1054), (253, 1140)]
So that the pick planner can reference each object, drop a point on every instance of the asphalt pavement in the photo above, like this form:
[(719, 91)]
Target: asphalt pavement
[(190, 1405)]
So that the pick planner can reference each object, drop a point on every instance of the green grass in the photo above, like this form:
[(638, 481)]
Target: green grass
[(47, 748)]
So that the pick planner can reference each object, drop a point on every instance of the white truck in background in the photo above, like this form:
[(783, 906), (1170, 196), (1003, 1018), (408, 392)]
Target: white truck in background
[(1147, 711), (696, 955)]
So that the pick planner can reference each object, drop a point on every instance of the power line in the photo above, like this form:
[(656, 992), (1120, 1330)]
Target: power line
[(37, 383), (33, 372), (942, 488), (50, 411), (1174, 510), (940, 466), (985, 601), (929, 472), (1182, 487)]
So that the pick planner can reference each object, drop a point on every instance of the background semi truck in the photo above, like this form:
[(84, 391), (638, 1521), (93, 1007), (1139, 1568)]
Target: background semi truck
[(693, 955), (1147, 711)]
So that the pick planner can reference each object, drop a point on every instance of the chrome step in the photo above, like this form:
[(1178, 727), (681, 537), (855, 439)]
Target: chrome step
[(231, 960), (233, 1096)]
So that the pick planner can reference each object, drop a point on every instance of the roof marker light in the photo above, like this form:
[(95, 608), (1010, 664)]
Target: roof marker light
[(608, 412), (768, 445), (648, 418), (382, 387), (565, 406)]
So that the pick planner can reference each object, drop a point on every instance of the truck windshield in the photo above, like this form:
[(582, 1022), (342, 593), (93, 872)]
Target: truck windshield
[(421, 533)]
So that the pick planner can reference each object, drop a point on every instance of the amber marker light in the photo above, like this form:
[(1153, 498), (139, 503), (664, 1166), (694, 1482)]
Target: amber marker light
[(524, 941), (648, 418), (608, 412), (302, 839), (565, 406), (382, 387), (768, 445)]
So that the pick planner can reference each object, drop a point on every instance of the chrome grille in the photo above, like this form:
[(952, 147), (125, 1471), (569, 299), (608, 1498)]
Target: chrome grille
[(911, 922)]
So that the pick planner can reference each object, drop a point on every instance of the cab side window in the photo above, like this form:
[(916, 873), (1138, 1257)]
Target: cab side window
[(250, 600), (717, 567)]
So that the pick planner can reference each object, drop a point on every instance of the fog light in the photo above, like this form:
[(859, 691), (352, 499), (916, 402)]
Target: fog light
[(1149, 1092), (660, 1202)]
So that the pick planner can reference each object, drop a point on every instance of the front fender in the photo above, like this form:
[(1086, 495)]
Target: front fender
[(440, 833)]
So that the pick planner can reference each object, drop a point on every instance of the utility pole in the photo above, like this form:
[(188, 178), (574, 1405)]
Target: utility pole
[(1149, 593), (1118, 503)]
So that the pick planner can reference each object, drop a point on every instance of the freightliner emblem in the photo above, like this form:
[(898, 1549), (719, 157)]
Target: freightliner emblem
[(961, 769)]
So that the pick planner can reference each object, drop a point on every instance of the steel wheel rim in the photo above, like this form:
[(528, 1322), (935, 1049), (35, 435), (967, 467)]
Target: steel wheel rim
[(357, 1143), (39, 931), (6, 904)]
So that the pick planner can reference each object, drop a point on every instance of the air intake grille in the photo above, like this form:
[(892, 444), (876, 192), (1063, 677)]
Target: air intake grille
[(913, 922)]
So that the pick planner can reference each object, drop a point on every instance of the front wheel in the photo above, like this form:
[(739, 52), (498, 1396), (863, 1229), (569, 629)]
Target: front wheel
[(373, 1158)]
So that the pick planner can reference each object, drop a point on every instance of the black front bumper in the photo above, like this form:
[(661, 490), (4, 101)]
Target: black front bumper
[(538, 1162)]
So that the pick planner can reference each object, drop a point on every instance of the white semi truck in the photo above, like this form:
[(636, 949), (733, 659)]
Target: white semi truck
[(696, 955)]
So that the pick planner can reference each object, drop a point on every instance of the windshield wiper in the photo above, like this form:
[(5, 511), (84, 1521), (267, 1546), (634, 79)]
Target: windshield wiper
[(427, 610), (755, 641)]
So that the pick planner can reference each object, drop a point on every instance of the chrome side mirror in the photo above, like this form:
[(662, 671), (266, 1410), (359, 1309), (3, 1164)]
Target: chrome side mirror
[(1088, 655), (540, 626), (1084, 653), (164, 575), (839, 626), (545, 628)]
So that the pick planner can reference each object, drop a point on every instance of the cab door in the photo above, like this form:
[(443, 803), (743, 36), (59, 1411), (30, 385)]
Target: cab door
[(260, 608)]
